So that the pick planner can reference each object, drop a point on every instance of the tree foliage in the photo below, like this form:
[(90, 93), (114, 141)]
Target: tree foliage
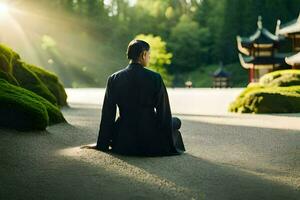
[(198, 33), (160, 59)]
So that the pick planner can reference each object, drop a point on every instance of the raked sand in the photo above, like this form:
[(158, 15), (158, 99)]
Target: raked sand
[(229, 156)]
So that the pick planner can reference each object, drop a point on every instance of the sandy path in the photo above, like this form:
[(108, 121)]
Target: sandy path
[(228, 157)]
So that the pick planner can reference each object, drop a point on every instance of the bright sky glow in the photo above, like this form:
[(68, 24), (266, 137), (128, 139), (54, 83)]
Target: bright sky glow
[(4, 8)]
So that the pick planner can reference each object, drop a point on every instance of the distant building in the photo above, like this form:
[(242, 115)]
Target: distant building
[(291, 30), (221, 78), (259, 52)]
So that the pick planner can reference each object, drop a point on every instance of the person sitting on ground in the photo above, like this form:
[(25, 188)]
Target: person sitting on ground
[(145, 125)]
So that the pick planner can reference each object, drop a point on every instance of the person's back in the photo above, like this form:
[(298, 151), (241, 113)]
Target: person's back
[(145, 125)]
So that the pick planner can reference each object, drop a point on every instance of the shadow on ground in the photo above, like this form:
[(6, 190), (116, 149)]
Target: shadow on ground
[(221, 162)]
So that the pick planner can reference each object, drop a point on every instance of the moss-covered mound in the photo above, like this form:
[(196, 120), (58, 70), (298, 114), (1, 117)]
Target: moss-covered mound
[(8, 58), (30, 81), (24, 110), (52, 83), (9, 78), (257, 99), (281, 78), (30, 77), (276, 92)]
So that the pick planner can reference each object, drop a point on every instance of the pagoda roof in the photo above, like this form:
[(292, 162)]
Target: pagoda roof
[(249, 61), (261, 36), (220, 72), (288, 28), (293, 60)]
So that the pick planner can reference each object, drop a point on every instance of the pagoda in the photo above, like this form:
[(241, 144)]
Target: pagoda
[(291, 30), (221, 78), (294, 61), (258, 52)]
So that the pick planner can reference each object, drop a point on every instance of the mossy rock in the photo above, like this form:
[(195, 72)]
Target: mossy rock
[(8, 58), (281, 78), (266, 102), (9, 78), (30, 81), (30, 77), (52, 82), (24, 110), (258, 99)]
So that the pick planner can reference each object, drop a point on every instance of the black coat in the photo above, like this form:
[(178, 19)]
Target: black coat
[(144, 125)]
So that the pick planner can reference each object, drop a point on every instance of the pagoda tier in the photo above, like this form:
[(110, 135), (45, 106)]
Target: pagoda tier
[(269, 62), (261, 41), (294, 60), (258, 53), (290, 30)]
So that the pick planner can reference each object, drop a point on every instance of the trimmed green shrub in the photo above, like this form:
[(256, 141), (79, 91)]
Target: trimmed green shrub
[(258, 99), (24, 110), (276, 92), (52, 83), (281, 78)]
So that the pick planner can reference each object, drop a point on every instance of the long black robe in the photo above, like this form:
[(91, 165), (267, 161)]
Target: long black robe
[(144, 125)]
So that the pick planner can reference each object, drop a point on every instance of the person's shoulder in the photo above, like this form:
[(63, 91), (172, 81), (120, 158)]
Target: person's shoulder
[(152, 73), (116, 74)]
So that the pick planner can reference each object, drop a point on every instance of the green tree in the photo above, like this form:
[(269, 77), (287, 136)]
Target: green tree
[(160, 59), (189, 45)]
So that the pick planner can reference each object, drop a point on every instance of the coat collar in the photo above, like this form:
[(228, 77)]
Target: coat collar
[(135, 65)]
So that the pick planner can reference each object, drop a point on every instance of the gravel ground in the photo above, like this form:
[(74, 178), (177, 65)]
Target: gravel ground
[(228, 156)]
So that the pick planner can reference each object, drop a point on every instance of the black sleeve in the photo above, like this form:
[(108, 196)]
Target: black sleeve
[(107, 118), (163, 112)]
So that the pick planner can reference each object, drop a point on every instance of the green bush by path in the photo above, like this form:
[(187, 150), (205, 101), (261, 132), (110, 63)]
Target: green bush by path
[(268, 100), (281, 78)]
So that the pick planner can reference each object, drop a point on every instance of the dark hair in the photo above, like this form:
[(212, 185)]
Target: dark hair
[(135, 48)]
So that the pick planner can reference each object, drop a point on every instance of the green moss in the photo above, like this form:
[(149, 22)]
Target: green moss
[(258, 99), (19, 111), (38, 80), (9, 78), (26, 110), (8, 59), (30, 81), (276, 92), (264, 102), (52, 82), (28, 95), (281, 78)]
